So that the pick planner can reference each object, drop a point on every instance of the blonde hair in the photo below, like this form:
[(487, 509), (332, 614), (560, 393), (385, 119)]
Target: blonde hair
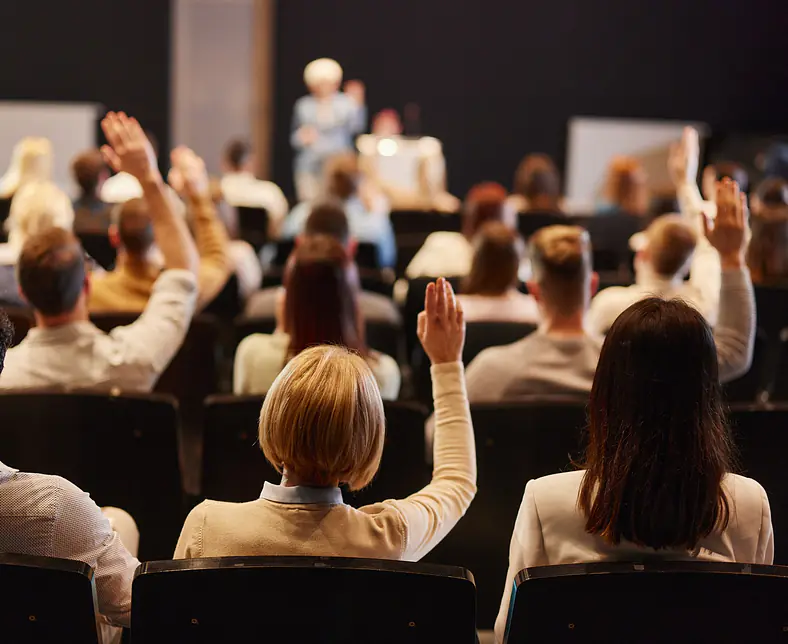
[(561, 263), (322, 70), (323, 419), (36, 207), (31, 160), (671, 243)]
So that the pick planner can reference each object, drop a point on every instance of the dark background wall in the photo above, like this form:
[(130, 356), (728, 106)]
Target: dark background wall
[(112, 52), (497, 79)]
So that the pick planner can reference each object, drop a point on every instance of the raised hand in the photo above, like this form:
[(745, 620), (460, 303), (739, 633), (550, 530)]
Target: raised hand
[(128, 149), (729, 231), (683, 157), (188, 174), (441, 326)]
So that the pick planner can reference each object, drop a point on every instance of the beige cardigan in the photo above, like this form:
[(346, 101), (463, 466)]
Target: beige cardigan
[(314, 521)]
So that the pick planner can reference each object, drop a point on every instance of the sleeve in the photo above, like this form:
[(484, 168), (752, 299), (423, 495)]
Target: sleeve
[(144, 349), (213, 246), (693, 206), (706, 279), (526, 550), (765, 552), (357, 117), (189, 544), (84, 534), (430, 514), (734, 334)]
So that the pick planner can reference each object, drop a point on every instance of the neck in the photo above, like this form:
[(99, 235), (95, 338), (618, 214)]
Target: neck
[(135, 261), (289, 479), (79, 314), (567, 325)]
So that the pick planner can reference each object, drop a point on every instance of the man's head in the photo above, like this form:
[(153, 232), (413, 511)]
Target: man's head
[(486, 202), (328, 218), (387, 123), (563, 280), (132, 229), (716, 172), (342, 176), (238, 156), (51, 273), (323, 77), (668, 245), (89, 171), (537, 180)]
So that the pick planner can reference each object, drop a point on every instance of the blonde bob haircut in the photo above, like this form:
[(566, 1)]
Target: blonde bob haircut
[(322, 419), (322, 70), (36, 207)]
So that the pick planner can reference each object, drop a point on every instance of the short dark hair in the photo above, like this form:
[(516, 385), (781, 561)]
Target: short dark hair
[(659, 445), (6, 336), (328, 218), (135, 228), (731, 170), (236, 152), (51, 271), (87, 168), (342, 175), (496, 260)]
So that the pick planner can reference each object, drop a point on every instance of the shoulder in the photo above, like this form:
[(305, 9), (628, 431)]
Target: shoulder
[(744, 492), (556, 485), (262, 303), (378, 308), (262, 345)]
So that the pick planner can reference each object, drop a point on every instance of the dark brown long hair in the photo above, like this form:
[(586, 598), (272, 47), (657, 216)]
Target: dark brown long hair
[(496, 260), (320, 298), (659, 445)]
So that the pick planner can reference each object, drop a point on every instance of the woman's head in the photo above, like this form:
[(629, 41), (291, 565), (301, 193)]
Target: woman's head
[(658, 444), (486, 202), (767, 255), (342, 176), (537, 180), (36, 207), (320, 297), (496, 260), (30, 161), (626, 186), (323, 420)]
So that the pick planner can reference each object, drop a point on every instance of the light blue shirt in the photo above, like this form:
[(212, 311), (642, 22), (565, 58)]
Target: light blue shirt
[(373, 227), (337, 127)]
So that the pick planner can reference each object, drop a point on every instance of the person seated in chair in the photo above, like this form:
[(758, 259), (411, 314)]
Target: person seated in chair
[(91, 214), (327, 218), (322, 425), (767, 256), (128, 288), (65, 349), (47, 516)]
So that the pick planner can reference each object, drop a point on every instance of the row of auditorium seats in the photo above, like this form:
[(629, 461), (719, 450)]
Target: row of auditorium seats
[(123, 449), (343, 601)]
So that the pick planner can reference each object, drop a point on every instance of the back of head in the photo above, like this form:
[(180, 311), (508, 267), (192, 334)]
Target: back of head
[(236, 154), (561, 264), (484, 203), (328, 218), (538, 178), (88, 168), (626, 185), (496, 261), (135, 228), (342, 176), (323, 420), (51, 271), (767, 255), (671, 243), (658, 442), (37, 206), (320, 298)]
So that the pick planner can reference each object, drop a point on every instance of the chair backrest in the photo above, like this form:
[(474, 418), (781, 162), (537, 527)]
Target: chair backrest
[(253, 225), (23, 321), (771, 303), (529, 222), (367, 256), (749, 387), (227, 303), (779, 389), (47, 600), (99, 247), (121, 449), (610, 239), (658, 601), (283, 249), (424, 222), (304, 599), (514, 443), (762, 441)]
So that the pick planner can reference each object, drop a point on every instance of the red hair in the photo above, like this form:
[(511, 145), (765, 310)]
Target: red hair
[(485, 202)]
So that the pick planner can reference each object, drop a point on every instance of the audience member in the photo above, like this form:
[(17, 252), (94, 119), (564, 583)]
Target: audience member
[(329, 219), (560, 357), (450, 253), (90, 172), (668, 249), (65, 348), (322, 425), (31, 160), (537, 185), (128, 287), (366, 209), (320, 307), (767, 255), (656, 478), (626, 191), (241, 188), (47, 516), (324, 123), (490, 291), (37, 206)]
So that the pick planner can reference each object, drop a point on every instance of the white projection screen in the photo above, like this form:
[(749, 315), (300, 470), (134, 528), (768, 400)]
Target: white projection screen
[(70, 126), (593, 142)]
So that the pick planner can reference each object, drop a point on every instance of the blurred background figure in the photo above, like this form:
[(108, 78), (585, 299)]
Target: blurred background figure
[(31, 160), (767, 255), (91, 214), (626, 189), (324, 123)]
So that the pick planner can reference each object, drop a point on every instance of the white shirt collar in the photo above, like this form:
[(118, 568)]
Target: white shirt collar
[(301, 494)]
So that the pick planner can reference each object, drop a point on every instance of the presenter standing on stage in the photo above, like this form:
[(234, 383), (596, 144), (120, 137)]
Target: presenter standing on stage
[(325, 122)]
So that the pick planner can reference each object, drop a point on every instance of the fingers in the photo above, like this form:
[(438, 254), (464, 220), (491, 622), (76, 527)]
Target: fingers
[(430, 300), (421, 325), (459, 315), (743, 211), (110, 158), (440, 305), (451, 302)]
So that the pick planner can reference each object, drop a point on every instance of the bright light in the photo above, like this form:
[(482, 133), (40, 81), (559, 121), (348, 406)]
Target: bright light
[(387, 147)]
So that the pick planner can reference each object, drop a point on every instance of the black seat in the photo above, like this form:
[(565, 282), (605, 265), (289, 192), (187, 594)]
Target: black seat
[(99, 247), (253, 226), (771, 303), (367, 256), (423, 222), (304, 599), (234, 468), (529, 222), (227, 304), (121, 449), (514, 443), (283, 249), (760, 434), (610, 236), (47, 600), (650, 602), (779, 391), (750, 387)]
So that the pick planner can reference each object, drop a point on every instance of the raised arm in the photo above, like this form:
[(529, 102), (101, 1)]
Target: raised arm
[(357, 119), (734, 334), (129, 150), (431, 513), (683, 163)]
